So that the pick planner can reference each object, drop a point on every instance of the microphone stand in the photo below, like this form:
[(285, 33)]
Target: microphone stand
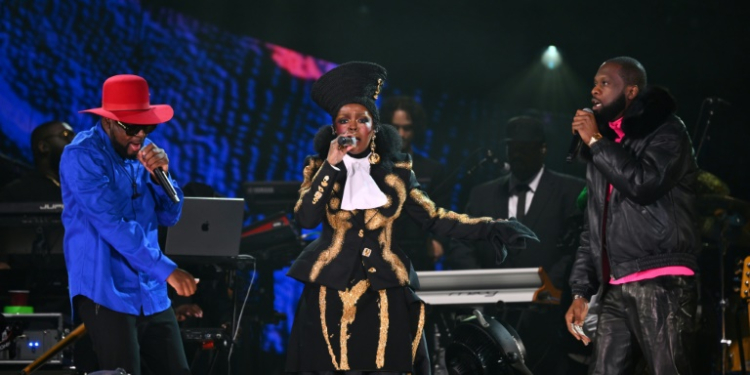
[(487, 158), (704, 134), (705, 129), (442, 185)]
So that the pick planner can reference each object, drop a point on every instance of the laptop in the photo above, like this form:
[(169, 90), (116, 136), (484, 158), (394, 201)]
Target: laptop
[(208, 227)]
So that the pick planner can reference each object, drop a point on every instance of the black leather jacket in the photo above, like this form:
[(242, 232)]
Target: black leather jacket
[(649, 221)]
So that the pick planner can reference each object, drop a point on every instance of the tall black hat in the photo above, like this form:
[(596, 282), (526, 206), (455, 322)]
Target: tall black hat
[(353, 82)]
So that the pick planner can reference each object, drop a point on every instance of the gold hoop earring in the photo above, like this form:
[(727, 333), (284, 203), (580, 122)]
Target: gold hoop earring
[(374, 157)]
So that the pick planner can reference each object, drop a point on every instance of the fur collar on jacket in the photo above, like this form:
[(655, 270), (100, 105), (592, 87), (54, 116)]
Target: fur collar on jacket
[(646, 113)]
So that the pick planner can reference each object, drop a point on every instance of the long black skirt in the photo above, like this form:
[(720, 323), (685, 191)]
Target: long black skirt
[(358, 330)]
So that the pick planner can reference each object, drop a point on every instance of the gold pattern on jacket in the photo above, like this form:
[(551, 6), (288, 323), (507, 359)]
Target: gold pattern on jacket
[(311, 170), (403, 164), (386, 235), (340, 223), (379, 219), (441, 213)]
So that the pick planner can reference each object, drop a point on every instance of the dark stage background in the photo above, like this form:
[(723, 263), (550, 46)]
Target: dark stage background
[(238, 74)]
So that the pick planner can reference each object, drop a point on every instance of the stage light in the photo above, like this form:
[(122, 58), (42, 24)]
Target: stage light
[(551, 58)]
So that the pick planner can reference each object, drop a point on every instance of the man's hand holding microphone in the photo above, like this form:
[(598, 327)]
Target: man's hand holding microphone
[(584, 124)]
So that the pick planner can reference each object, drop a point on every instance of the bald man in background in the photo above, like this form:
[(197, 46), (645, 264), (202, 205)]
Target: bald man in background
[(43, 183)]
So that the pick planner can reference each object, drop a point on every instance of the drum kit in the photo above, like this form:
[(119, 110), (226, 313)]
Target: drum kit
[(725, 231)]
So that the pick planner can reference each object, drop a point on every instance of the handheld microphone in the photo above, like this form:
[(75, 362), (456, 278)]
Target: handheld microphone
[(347, 141), (166, 184), (575, 143)]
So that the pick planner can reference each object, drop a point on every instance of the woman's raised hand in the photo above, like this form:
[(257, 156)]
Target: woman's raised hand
[(336, 152)]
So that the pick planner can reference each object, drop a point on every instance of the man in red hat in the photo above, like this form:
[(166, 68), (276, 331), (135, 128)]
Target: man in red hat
[(113, 204)]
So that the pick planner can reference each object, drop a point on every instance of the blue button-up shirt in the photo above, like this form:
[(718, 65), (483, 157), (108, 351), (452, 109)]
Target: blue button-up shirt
[(112, 210)]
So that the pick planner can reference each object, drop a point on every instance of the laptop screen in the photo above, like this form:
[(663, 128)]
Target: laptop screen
[(208, 227)]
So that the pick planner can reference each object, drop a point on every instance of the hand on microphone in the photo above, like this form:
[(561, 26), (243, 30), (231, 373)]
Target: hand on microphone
[(339, 147), (153, 157), (584, 124), (155, 160)]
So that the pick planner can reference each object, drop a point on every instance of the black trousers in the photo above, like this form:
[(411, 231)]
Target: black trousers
[(148, 345), (656, 316)]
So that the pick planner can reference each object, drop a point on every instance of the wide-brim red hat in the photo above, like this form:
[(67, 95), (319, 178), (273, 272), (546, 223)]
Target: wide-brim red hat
[(125, 98)]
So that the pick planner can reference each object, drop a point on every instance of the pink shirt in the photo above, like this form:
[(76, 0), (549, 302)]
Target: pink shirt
[(617, 127), (654, 272)]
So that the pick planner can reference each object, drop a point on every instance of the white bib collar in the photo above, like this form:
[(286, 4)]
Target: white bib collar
[(360, 192)]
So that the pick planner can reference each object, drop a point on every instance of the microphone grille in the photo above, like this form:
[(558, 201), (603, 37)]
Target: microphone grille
[(347, 141)]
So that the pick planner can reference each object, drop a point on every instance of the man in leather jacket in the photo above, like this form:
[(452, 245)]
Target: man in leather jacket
[(638, 247)]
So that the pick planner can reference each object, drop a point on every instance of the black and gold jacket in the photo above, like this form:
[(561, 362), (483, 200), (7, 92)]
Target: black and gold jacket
[(357, 244)]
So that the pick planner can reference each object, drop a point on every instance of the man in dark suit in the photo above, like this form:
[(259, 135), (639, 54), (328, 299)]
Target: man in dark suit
[(542, 200)]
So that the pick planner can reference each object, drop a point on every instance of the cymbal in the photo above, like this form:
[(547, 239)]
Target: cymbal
[(709, 183), (715, 210)]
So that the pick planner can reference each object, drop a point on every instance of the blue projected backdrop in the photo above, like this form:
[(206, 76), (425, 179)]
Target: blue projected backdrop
[(242, 106), (242, 109)]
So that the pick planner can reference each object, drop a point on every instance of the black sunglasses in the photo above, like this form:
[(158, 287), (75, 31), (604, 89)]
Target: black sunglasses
[(132, 130)]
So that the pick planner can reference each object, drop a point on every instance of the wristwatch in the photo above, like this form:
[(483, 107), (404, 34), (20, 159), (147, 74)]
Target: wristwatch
[(594, 137), (578, 296)]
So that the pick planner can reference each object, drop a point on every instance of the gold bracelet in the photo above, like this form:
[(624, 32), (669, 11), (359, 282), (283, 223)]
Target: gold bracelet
[(594, 137)]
